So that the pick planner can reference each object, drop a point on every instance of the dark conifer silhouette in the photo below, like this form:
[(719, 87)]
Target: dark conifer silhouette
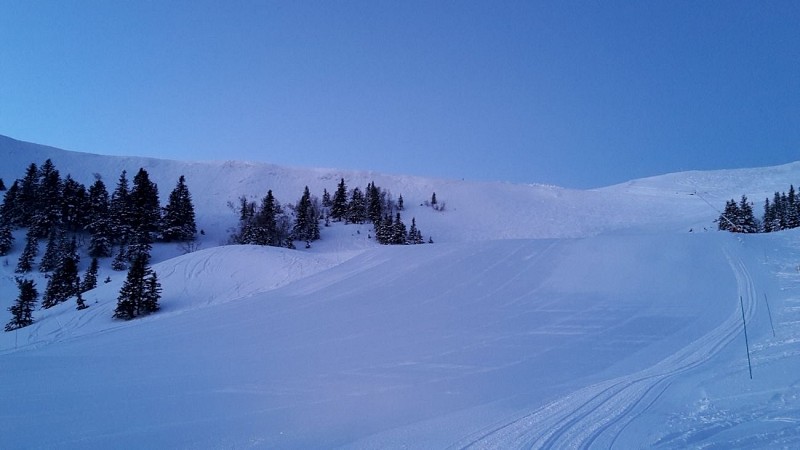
[(178, 223), (29, 253), (339, 206), (140, 292), (22, 309), (90, 278)]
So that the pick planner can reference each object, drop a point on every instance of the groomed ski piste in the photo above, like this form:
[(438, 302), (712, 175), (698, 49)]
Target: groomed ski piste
[(541, 317)]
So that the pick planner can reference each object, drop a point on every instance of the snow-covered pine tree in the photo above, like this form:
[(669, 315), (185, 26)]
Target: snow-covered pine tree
[(6, 239), (356, 209), (399, 234), (152, 293), (48, 200), (25, 263), (22, 309), (339, 206), (727, 221), (178, 223), (747, 220), (414, 235), (90, 277), (384, 230), (400, 205)]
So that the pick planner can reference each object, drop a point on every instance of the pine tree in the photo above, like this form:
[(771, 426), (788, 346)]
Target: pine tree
[(728, 219), (152, 293), (145, 208), (29, 253), (779, 219), (384, 230), (27, 198), (99, 223), (339, 206), (48, 202), (22, 310), (374, 203), (747, 221), (356, 209), (90, 278), (73, 205), (63, 284), (414, 235), (306, 227), (140, 292), (433, 200), (2, 185), (10, 213), (178, 223), (53, 252), (768, 218), (6, 239), (267, 228), (120, 210), (326, 199), (399, 235), (400, 206)]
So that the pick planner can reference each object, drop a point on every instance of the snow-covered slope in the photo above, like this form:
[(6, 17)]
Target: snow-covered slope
[(542, 317)]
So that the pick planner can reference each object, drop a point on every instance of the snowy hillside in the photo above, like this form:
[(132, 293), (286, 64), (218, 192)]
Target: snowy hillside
[(542, 317)]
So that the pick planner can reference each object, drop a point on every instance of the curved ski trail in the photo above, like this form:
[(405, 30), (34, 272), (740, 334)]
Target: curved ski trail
[(595, 416)]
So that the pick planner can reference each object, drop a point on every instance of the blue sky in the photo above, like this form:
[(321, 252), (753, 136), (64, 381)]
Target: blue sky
[(579, 94)]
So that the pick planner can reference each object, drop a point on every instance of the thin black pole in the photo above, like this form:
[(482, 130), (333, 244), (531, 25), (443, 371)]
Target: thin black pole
[(746, 343), (770, 315)]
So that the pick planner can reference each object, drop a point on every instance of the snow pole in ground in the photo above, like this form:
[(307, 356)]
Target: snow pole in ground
[(746, 344), (770, 315)]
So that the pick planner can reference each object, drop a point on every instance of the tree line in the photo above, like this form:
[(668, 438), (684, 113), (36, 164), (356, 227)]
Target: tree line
[(781, 213), (64, 212), (270, 223)]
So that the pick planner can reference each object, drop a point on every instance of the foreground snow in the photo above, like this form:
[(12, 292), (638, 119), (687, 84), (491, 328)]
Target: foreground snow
[(626, 341)]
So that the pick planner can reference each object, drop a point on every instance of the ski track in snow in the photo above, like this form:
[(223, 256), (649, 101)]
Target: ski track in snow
[(595, 416)]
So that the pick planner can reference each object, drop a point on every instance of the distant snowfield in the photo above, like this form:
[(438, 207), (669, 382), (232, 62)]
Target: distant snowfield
[(542, 317)]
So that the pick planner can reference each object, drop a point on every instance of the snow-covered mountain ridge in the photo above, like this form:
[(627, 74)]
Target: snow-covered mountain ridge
[(482, 210), (542, 317)]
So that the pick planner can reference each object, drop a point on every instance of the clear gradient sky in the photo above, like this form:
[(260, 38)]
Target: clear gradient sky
[(578, 94)]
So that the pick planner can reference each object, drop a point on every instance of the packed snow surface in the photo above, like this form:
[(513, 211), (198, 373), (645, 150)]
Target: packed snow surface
[(541, 317)]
